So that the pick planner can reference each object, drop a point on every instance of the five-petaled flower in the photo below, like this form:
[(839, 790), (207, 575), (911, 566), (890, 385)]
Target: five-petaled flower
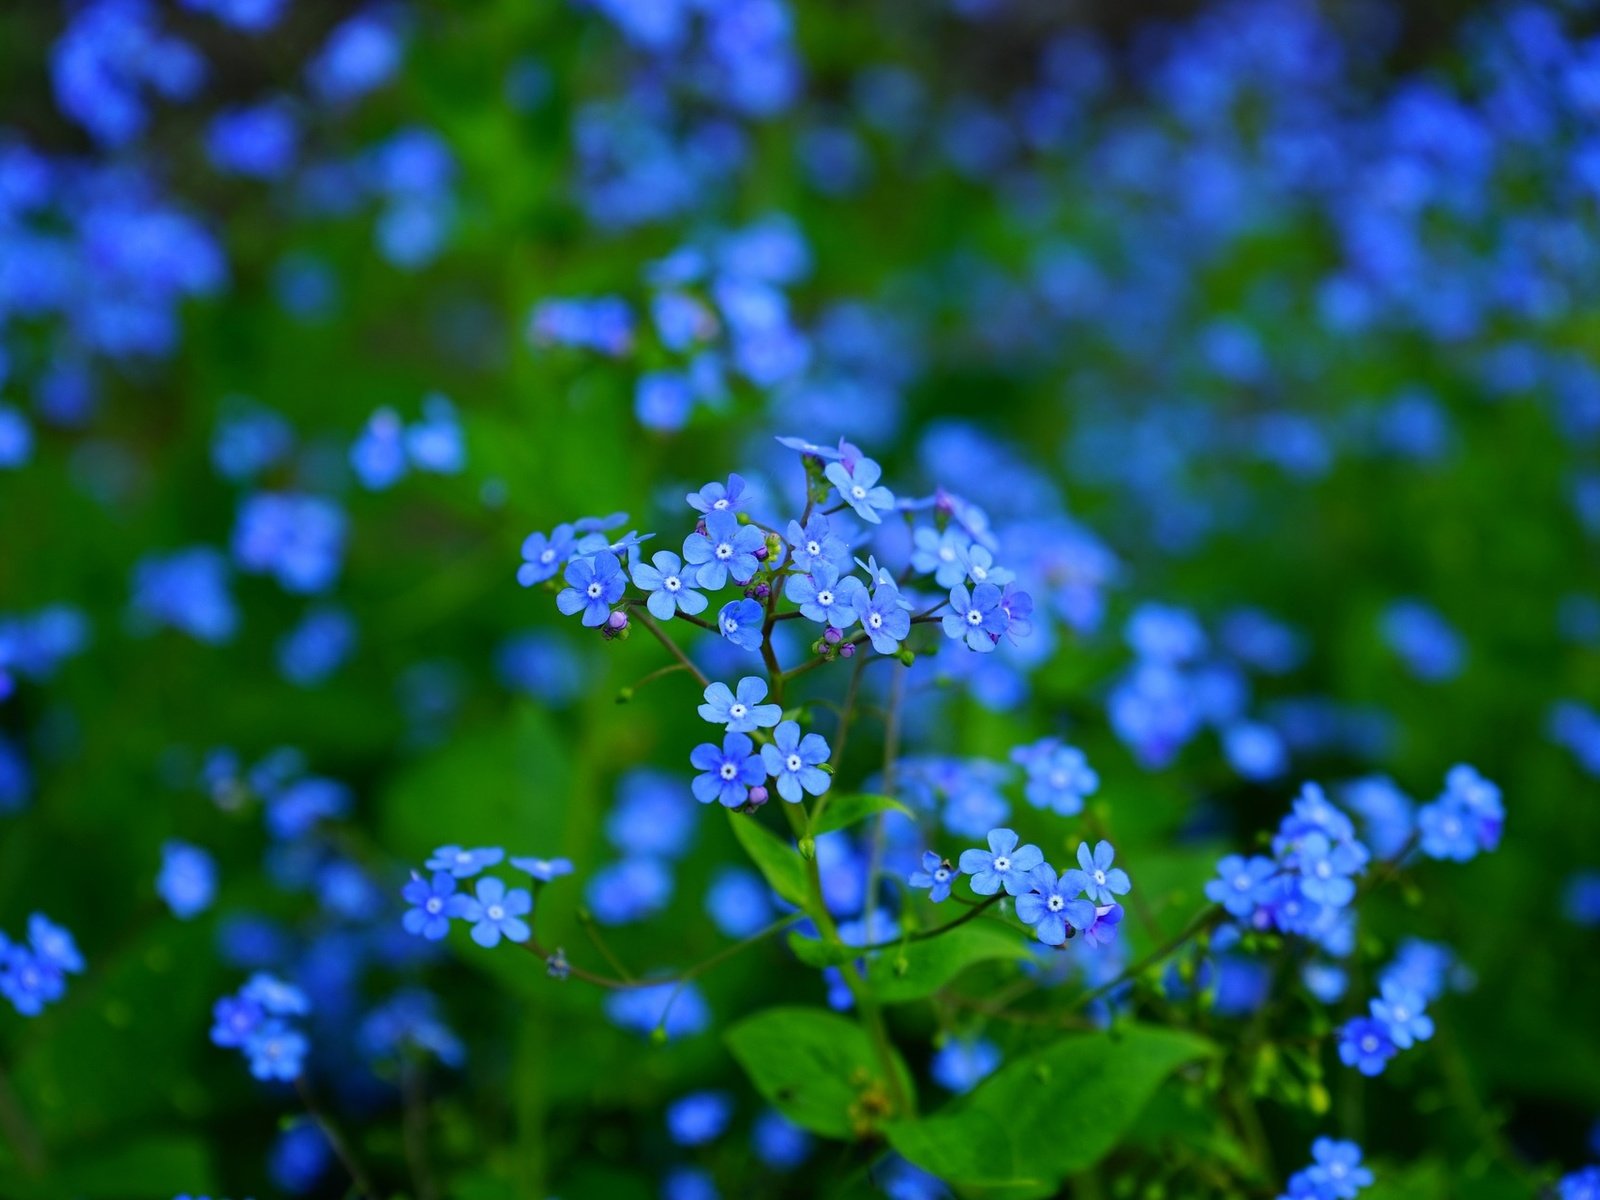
[(796, 762), (725, 548), (823, 596), (593, 586), (462, 862), (883, 616), (942, 555), (728, 772), (1053, 905), (859, 488), (1400, 1010), (717, 497), (543, 869), (1365, 1044), (814, 543), (434, 903), (1100, 881), (1004, 864), (670, 585), (1239, 883), (497, 912), (740, 710), (936, 875), (977, 618), (544, 555), (740, 622)]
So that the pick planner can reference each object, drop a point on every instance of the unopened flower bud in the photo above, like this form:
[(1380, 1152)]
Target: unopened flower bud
[(847, 650), (618, 620), (832, 635), (758, 796)]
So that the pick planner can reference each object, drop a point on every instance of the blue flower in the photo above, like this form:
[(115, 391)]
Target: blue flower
[(740, 622), (1102, 931), (1337, 1173), (859, 488), (497, 912), (778, 1142), (1059, 777), (1004, 864), (883, 617), (716, 497), (1100, 880), (728, 772), (1400, 1010), (234, 1019), (463, 863), (670, 587), (962, 1064), (1580, 1185), (977, 619), (741, 711), (1239, 883), (815, 543), (936, 875), (544, 555), (796, 762), (593, 586), (53, 944), (187, 880), (942, 555), (276, 1051), (1052, 905), (699, 1117), (275, 996), (29, 980), (981, 569), (1325, 870), (435, 902), (823, 596), (544, 869), (725, 548), (1365, 1044)]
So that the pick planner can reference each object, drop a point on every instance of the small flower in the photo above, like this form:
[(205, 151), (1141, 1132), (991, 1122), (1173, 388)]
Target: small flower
[(981, 568), (880, 612), (1017, 608), (276, 1051), (29, 980), (1446, 832), (823, 596), (859, 488), (936, 875), (593, 586), (976, 619), (544, 869), (795, 762), (275, 996), (464, 863), (1338, 1173), (497, 912), (725, 548), (942, 555), (1059, 777), (1004, 864), (815, 543), (728, 772), (716, 497), (1051, 906), (1101, 880), (53, 944), (187, 880), (1325, 870), (740, 622), (1365, 1044), (1399, 1009), (434, 903), (671, 587), (234, 1019), (1239, 883), (1102, 931), (741, 710)]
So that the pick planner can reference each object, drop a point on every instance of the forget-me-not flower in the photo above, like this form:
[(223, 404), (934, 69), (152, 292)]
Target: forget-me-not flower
[(796, 762), (728, 772), (593, 586), (1004, 864), (740, 710), (670, 586), (497, 912)]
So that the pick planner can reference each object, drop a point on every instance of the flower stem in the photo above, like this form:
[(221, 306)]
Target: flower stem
[(665, 639)]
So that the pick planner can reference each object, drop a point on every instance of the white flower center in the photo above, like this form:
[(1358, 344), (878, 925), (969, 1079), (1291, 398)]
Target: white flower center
[(979, 573), (793, 763), (1323, 870), (1241, 882), (942, 874), (730, 625), (813, 548), (495, 912), (859, 492), (1055, 904), (594, 590), (1337, 1170), (434, 904), (672, 583), (875, 621), (723, 503), (737, 710), (825, 598), (1369, 1044), (1002, 863), (728, 771), (1100, 877), (724, 550), (974, 617), (547, 555)]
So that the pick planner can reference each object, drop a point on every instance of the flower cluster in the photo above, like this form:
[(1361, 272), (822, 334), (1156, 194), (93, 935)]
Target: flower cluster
[(34, 973), (492, 909), (258, 1021), (1336, 1173), (1056, 907)]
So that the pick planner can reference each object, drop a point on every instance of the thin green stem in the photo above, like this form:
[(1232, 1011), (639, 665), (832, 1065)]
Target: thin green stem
[(662, 636)]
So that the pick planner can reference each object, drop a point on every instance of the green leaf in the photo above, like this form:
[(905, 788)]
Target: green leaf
[(156, 1167), (848, 809), (917, 969), (1017, 1131), (816, 1067), (779, 862), (814, 952)]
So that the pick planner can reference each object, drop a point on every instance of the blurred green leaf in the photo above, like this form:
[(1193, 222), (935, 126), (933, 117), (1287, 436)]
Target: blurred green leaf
[(917, 969), (814, 1066), (779, 862), (1049, 1114), (156, 1168), (854, 807)]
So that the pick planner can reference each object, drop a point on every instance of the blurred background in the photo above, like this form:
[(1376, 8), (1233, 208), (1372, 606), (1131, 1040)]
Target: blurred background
[(1275, 320)]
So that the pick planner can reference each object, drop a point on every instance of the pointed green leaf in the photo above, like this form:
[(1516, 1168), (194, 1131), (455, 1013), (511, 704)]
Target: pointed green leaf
[(780, 862), (917, 969), (850, 808)]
